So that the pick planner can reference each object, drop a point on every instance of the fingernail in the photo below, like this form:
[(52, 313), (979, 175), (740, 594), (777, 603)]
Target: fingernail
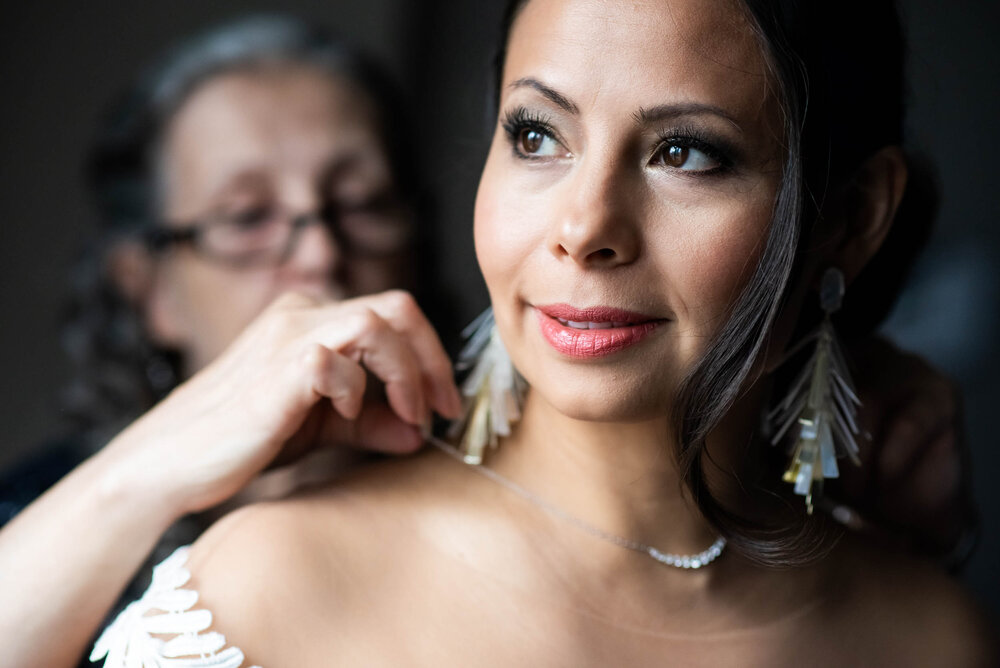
[(442, 401), (420, 410), (426, 427), (848, 517), (456, 403), (843, 514)]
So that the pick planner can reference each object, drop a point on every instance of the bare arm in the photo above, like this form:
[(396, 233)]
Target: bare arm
[(65, 560), (294, 379)]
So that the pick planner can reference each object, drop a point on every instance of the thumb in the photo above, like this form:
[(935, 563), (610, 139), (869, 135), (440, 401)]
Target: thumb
[(378, 428)]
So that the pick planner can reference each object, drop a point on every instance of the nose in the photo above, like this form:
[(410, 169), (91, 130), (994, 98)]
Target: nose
[(316, 254), (315, 251), (594, 226)]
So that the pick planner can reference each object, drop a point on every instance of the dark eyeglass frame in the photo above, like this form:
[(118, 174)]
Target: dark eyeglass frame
[(163, 237)]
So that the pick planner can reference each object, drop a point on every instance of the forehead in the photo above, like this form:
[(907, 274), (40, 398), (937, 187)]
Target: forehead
[(644, 52), (279, 117)]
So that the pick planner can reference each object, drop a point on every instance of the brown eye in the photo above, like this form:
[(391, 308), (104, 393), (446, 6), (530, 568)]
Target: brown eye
[(531, 140), (252, 218), (675, 156), (536, 142)]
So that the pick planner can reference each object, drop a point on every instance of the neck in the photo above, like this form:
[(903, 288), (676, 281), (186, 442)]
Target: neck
[(621, 478)]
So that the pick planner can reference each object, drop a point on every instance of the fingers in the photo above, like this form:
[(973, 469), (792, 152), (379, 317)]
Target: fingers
[(936, 477), (919, 466), (395, 312), (846, 515), (338, 378), (402, 312), (924, 417), (388, 355), (377, 428), (386, 334)]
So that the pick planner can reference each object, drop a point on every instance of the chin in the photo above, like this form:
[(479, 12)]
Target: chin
[(579, 400)]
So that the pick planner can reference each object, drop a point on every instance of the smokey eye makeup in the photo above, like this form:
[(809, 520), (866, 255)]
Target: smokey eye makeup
[(687, 148), (531, 135), (693, 149)]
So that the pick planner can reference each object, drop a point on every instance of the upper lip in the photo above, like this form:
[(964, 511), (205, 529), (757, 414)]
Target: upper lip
[(594, 314)]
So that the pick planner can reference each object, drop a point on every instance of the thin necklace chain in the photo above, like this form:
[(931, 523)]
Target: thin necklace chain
[(687, 561)]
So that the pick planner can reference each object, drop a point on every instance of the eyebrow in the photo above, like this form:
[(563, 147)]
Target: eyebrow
[(668, 111), (643, 116), (557, 98), (254, 173)]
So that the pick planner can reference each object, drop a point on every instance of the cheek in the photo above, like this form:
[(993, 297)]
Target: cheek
[(505, 233), (218, 303), (720, 262), (707, 257)]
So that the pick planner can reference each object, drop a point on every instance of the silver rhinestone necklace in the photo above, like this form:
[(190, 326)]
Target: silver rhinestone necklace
[(688, 561)]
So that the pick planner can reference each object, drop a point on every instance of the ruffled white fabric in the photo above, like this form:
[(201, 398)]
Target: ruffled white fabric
[(130, 642)]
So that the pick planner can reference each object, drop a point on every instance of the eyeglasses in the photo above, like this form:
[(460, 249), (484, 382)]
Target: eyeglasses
[(267, 235)]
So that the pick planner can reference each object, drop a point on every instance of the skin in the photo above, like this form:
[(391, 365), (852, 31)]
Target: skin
[(286, 137), (425, 563), (293, 381), (605, 191)]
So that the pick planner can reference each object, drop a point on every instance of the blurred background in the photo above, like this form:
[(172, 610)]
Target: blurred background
[(61, 63)]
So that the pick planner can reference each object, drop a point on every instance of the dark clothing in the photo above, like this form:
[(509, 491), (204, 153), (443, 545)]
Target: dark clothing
[(28, 480)]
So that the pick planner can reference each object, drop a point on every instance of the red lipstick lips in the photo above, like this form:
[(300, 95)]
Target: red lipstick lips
[(592, 332)]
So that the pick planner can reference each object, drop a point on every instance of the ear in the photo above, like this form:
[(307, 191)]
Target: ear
[(870, 207), (134, 272), (130, 267)]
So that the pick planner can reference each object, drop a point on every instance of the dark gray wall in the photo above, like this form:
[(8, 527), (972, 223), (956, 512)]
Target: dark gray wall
[(60, 62), (951, 311)]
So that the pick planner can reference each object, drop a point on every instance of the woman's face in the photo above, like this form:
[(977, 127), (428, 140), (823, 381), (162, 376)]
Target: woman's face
[(285, 140), (627, 194)]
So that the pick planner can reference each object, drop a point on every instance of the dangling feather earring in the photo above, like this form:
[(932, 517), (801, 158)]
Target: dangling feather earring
[(493, 390), (822, 405)]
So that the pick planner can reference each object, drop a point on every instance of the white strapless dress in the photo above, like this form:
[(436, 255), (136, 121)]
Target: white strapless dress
[(166, 609)]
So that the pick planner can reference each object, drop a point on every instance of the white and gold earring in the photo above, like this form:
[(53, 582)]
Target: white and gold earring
[(493, 390), (819, 413)]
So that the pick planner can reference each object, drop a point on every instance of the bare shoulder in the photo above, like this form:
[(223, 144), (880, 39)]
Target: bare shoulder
[(909, 612), (277, 576), (252, 571)]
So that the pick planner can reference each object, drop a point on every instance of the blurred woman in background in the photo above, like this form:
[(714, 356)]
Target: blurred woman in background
[(260, 159)]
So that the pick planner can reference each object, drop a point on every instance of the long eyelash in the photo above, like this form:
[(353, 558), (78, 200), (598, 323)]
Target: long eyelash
[(519, 119), (716, 148)]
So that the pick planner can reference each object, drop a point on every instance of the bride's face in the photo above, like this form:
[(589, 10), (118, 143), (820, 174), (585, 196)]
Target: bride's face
[(627, 194)]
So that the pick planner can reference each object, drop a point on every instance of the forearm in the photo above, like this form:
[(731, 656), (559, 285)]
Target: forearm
[(65, 559)]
